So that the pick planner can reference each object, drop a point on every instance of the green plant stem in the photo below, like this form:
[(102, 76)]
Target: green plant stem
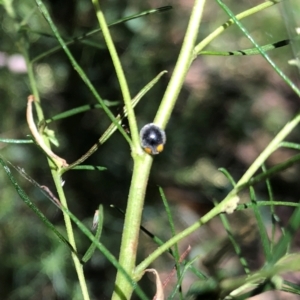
[(123, 288), (274, 144), (112, 128), (248, 51), (82, 38), (267, 203), (185, 59), (94, 239), (142, 163), (55, 174), (230, 22), (264, 55), (135, 146), (272, 171), (79, 70), (173, 231), (235, 243), (71, 237)]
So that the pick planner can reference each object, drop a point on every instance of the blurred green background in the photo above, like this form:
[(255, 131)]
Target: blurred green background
[(228, 111)]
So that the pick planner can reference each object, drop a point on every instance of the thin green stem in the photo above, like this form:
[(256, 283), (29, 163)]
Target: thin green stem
[(135, 146), (79, 70), (285, 78), (274, 144), (182, 66), (47, 192), (249, 51), (272, 171), (142, 164), (71, 237), (15, 141), (267, 203), (112, 128), (173, 231), (272, 208), (56, 177), (155, 254), (93, 32), (230, 22)]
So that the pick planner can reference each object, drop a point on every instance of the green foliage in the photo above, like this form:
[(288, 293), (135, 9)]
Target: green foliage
[(218, 209)]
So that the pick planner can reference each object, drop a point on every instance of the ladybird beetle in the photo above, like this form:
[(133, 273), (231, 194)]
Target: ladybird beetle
[(152, 138)]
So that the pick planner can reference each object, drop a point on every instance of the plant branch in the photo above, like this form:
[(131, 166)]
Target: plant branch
[(135, 146), (222, 206), (79, 70), (264, 55), (142, 163), (112, 128), (182, 66), (230, 22)]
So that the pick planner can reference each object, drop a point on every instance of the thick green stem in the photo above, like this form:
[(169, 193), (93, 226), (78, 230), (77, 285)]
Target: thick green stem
[(142, 164), (185, 59)]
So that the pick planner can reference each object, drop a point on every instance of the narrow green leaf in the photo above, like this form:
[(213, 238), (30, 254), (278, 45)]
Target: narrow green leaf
[(290, 145), (79, 70), (188, 265), (89, 167), (261, 51), (262, 230), (90, 251), (234, 243), (15, 141), (230, 22), (228, 176), (282, 245), (33, 207), (80, 225), (81, 109), (86, 35), (266, 203), (112, 128), (160, 242), (291, 287), (275, 218), (250, 51), (173, 232), (272, 171)]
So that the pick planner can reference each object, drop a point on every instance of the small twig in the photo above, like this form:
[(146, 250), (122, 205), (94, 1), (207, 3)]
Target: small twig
[(38, 138), (161, 286), (46, 191), (51, 196), (181, 259)]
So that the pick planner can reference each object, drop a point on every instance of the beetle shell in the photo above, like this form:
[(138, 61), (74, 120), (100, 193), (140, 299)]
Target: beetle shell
[(152, 139)]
